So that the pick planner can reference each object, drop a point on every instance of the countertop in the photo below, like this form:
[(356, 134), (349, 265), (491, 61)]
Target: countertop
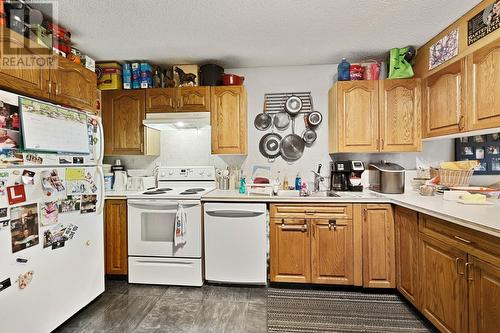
[(118, 194), (484, 218)]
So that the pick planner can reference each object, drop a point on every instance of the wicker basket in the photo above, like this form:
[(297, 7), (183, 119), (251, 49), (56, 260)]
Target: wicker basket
[(449, 177)]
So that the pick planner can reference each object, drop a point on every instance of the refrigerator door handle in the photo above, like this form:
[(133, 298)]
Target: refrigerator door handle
[(101, 141), (102, 191)]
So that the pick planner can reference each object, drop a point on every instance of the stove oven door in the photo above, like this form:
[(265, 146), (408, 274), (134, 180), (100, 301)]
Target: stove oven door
[(151, 228)]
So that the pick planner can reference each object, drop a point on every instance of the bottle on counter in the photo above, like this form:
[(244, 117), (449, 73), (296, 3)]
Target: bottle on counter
[(277, 184), (285, 183), (242, 185), (298, 182)]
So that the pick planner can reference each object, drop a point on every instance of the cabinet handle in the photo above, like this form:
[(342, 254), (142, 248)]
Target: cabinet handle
[(295, 227), (469, 271), (458, 264), (364, 214), (463, 239), (332, 224), (310, 212), (381, 144)]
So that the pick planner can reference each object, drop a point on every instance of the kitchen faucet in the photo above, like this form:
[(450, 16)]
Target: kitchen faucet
[(317, 178)]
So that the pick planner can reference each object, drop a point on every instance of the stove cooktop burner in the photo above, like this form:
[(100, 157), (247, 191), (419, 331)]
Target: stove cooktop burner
[(196, 189), (188, 192), (161, 190)]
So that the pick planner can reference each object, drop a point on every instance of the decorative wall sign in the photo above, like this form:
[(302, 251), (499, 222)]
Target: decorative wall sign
[(444, 49), (483, 148), (484, 23)]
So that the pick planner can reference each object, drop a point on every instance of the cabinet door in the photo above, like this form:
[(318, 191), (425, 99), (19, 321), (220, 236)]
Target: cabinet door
[(229, 120), (400, 109), (122, 116), (161, 100), (443, 285), (483, 69), (444, 101), (73, 85), (192, 99), (357, 108), (30, 80), (290, 251), (115, 219), (484, 293), (332, 259), (406, 226), (379, 267)]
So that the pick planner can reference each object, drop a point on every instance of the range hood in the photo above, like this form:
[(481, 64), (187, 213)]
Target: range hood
[(177, 120)]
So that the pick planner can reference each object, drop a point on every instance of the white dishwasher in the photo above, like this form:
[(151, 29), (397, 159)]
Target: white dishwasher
[(235, 243)]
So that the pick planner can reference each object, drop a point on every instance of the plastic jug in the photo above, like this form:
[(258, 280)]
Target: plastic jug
[(343, 70), (120, 183)]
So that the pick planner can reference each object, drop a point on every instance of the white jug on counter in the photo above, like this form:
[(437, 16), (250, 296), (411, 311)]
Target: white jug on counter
[(120, 183)]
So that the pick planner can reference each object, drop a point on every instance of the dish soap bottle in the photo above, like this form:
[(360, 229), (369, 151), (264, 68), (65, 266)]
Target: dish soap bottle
[(285, 183), (242, 185), (298, 182), (343, 70)]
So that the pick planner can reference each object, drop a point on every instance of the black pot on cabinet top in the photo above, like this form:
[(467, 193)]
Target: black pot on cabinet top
[(211, 75)]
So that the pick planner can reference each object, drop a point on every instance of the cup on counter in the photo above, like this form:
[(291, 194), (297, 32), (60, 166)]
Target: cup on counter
[(427, 190)]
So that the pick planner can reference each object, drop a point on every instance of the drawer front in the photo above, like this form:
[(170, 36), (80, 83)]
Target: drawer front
[(340, 211), (168, 271), (474, 242)]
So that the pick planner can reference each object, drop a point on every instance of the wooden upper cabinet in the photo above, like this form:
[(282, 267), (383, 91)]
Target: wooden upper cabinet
[(407, 264), (73, 85), (400, 111), (115, 227), (379, 267), (123, 113), (443, 285), (484, 293), (229, 120), (332, 252), (357, 112), (31, 81), (444, 101), (161, 100), (483, 68), (290, 250), (192, 99)]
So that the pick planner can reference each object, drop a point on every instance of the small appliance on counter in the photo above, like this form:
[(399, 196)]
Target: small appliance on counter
[(141, 183), (346, 176), (386, 177)]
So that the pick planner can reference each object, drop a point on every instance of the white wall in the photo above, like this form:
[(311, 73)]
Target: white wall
[(189, 147)]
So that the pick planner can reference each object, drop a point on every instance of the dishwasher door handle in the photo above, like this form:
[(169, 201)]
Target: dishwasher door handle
[(233, 213)]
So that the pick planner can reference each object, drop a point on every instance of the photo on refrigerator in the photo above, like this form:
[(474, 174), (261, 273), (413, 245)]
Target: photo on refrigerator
[(24, 227)]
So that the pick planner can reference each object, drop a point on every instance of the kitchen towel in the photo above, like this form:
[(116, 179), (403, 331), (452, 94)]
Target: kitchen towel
[(180, 226)]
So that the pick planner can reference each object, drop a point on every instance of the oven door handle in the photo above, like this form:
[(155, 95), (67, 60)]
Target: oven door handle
[(233, 213), (163, 206)]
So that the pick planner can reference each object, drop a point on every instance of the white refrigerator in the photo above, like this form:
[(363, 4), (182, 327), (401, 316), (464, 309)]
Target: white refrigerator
[(51, 222)]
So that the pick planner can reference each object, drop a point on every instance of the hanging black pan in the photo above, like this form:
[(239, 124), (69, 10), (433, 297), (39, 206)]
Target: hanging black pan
[(269, 146)]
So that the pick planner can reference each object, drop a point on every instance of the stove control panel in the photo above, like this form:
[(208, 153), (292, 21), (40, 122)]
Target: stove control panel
[(187, 173)]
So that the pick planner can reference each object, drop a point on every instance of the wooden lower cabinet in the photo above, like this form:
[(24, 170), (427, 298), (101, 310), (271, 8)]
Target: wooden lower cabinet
[(115, 230), (406, 229), (290, 250), (443, 285), (379, 266), (484, 296), (331, 251)]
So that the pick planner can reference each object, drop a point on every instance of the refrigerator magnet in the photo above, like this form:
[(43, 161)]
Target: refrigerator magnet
[(16, 194), (4, 217), (28, 177), (25, 279), (5, 284)]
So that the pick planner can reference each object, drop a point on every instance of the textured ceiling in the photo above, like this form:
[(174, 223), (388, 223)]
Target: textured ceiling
[(237, 33)]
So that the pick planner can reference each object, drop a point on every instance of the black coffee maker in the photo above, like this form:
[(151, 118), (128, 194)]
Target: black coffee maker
[(346, 176), (339, 176)]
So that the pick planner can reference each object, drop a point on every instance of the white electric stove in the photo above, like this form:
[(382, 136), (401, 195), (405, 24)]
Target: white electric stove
[(153, 256)]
